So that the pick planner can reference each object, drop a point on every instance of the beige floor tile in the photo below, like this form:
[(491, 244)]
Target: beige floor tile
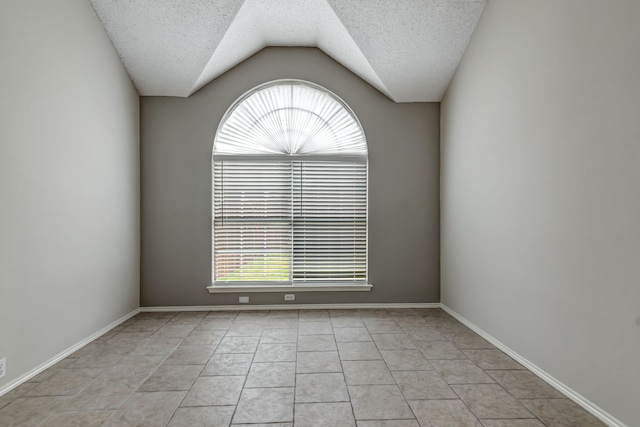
[(226, 314), (352, 334), (172, 378), (156, 347), (279, 336), (203, 338), (255, 316), (147, 409), (228, 364), (238, 345), (379, 402), (423, 385), (102, 394), (121, 377), (268, 375), (317, 343), (264, 425), (423, 333), (358, 350), (190, 355), (245, 330), (209, 391), (367, 372), (490, 401), (97, 359), (133, 367), (393, 341), (264, 405), (205, 416), (30, 411), (324, 414), (175, 331), (123, 342), (389, 423), (523, 384), (65, 382), (373, 313), (188, 317), (276, 323), (492, 359), (313, 315), (318, 361), (439, 350), (561, 413), (146, 325), (406, 360), (389, 326), (275, 353), (470, 340), (283, 314), (77, 419), (461, 372), (315, 328), (213, 324), (443, 413), (346, 322), (312, 388), (512, 423), (17, 392)]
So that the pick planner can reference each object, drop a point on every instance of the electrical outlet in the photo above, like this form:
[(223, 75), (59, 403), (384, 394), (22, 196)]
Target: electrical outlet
[(289, 297), (243, 300), (3, 367)]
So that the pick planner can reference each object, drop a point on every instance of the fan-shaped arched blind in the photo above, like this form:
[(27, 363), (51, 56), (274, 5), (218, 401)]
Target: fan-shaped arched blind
[(289, 189), (290, 118)]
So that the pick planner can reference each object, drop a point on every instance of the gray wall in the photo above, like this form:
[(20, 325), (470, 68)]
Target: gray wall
[(69, 181), (540, 191), (177, 140)]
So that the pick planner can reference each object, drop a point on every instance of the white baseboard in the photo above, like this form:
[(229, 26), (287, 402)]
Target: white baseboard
[(591, 407), (32, 373), (242, 307)]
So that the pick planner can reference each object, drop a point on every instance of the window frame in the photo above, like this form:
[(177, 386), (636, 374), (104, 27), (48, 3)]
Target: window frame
[(288, 286)]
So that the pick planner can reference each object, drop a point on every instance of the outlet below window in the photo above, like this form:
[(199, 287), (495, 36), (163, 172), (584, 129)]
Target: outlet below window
[(3, 367), (243, 300)]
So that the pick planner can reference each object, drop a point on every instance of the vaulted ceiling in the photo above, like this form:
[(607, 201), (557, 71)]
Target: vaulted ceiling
[(407, 49)]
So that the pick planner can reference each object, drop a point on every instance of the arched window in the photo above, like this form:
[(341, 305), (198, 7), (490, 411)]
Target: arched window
[(289, 189)]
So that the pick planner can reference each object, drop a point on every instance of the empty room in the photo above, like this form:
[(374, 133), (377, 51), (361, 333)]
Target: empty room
[(335, 213)]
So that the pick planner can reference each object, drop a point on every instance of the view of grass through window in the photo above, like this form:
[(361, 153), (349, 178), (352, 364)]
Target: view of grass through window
[(251, 268)]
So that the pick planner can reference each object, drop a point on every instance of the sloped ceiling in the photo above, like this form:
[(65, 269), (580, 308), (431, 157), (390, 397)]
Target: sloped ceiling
[(407, 49)]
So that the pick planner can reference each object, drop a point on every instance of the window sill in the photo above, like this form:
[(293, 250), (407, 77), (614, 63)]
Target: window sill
[(328, 287)]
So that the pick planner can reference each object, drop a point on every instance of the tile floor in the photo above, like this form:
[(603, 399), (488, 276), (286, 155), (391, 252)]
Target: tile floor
[(364, 368)]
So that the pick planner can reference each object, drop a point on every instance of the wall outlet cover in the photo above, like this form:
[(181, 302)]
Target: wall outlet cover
[(3, 367), (289, 297), (243, 300)]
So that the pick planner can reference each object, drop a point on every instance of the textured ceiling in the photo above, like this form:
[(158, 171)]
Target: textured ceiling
[(407, 49)]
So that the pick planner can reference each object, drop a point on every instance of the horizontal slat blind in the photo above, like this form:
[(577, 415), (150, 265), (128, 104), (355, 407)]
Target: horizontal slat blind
[(292, 221), (252, 221), (329, 221)]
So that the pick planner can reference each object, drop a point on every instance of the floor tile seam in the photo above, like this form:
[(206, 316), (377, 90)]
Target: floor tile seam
[(151, 374), (506, 391), (71, 397), (443, 379), (244, 383), (501, 386), (344, 377)]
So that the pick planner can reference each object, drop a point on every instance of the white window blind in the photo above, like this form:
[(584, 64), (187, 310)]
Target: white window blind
[(329, 221), (290, 221), (289, 189)]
